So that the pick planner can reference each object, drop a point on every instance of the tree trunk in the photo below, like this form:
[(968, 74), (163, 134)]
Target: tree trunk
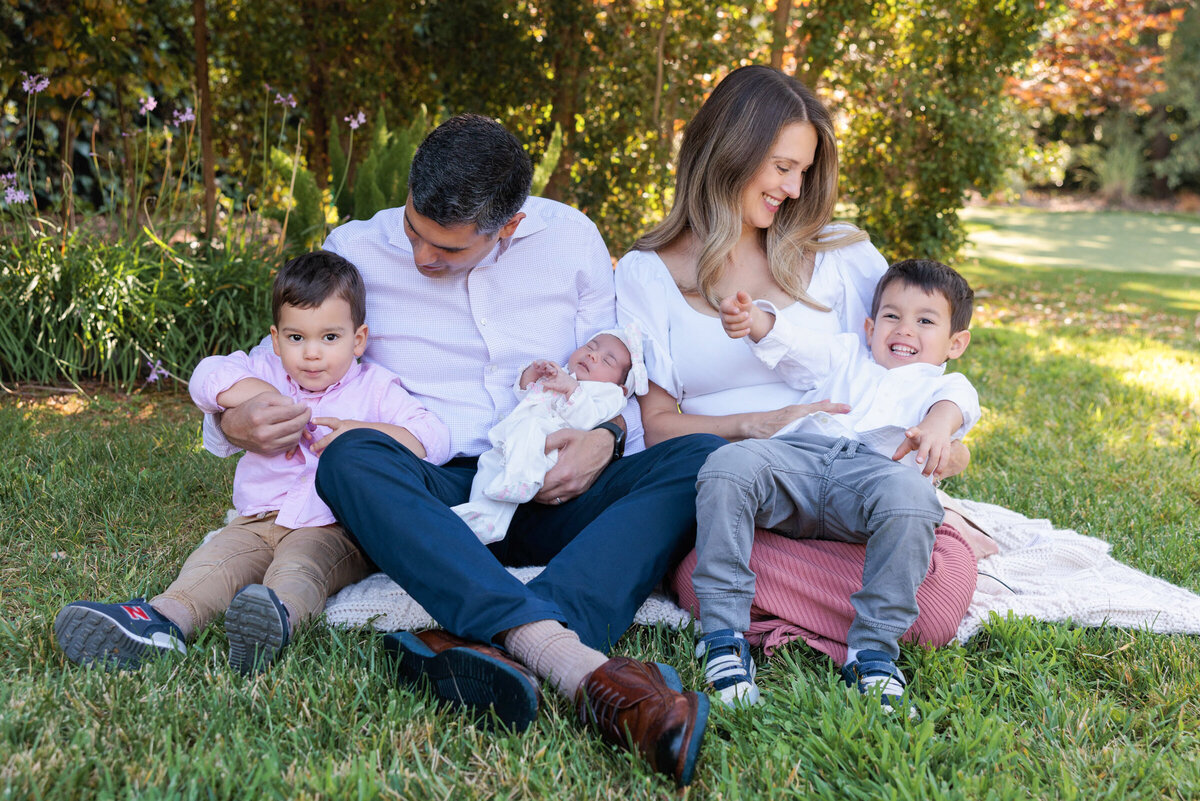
[(318, 152), (1160, 148), (205, 110), (568, 47), (779, 30), (659, 57)]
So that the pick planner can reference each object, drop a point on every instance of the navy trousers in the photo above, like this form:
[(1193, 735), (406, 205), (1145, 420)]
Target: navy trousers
[(604, 551)]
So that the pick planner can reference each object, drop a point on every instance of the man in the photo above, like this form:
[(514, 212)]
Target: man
[(466, 284)]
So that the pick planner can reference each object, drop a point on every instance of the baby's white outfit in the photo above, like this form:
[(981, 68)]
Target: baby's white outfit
[(512, 471)]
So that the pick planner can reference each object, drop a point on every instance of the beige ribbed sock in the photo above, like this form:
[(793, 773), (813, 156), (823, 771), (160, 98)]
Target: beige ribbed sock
[(554, 653), (177, 613)]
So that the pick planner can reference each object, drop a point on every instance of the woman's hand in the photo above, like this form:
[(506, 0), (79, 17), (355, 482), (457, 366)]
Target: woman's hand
[(761, 425)]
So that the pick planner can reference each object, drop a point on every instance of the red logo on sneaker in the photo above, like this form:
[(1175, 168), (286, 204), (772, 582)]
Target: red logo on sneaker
[(136, 613)]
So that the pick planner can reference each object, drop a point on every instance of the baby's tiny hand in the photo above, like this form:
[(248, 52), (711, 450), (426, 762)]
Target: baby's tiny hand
[(537, 371), (562, 383)]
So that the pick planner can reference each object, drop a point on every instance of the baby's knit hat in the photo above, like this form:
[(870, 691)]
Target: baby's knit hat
[(636, 383)]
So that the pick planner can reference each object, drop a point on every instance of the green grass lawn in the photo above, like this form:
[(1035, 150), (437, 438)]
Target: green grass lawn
[(1090, 382)]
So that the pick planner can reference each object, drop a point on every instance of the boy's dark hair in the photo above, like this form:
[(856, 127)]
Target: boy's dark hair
[(931, 276), (470, 170), (308, 281)]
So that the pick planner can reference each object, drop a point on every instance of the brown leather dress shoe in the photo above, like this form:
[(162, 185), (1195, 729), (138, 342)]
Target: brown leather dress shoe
[(468, 674), (630, 704)]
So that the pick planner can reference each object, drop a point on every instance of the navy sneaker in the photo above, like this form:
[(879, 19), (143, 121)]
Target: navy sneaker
[(115, 635), (728, 667), (875, 673), (257, 626)]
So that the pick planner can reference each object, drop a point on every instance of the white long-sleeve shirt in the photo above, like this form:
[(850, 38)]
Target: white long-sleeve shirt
[(459, 341), (883, 403)]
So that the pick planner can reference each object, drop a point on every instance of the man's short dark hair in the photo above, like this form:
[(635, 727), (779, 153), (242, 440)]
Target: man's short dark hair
[(470, 170), (931, 276), (308, 281)]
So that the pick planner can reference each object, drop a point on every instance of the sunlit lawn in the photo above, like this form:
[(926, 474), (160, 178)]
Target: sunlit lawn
[(1090, 381)]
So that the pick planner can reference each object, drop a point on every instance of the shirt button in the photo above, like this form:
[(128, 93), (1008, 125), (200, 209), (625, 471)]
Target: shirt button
[(483, 321)]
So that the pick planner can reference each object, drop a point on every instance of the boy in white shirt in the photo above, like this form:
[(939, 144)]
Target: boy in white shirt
[(834, 477), (591, 389)]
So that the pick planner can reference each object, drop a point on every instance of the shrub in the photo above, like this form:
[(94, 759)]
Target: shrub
[(110, 311)]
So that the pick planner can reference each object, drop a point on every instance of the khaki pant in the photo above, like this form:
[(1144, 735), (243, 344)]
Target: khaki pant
[(304, 566)]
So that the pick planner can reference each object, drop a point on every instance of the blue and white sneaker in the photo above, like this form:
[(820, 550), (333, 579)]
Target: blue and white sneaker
[(257, 626), (875, 673), (728, 667), (115, 635)]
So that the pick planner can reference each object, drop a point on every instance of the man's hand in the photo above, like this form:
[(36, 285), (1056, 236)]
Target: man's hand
[(582, 457), (267, 424), (740, 317), (762, 425)]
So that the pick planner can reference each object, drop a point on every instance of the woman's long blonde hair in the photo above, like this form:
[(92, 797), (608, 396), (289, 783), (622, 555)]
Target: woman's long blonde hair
[(724, 146)]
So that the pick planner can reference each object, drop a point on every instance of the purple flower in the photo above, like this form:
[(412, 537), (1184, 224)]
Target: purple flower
[(147, 104), (13, 196), (355, 120), (288, 100), (8, 179), (157, 371), (34, 83), (180, 117)]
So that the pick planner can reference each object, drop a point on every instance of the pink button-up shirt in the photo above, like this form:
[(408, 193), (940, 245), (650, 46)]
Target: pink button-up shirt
[(367, 393)]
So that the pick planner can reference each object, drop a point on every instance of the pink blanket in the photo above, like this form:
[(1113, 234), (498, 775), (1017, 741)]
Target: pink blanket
[(803, 591)]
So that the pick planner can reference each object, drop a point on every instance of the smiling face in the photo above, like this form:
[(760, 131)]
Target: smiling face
[(318, 345), (913, 326), (602, 358), (780, 176), (448, 249)]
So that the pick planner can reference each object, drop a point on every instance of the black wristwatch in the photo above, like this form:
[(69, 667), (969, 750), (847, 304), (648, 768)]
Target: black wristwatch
[(618, 443)]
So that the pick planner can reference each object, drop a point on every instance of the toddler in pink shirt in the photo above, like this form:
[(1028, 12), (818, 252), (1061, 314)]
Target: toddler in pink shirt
[(277, 562)]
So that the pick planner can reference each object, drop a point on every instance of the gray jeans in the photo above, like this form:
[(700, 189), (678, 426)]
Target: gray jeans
[(807, 486)]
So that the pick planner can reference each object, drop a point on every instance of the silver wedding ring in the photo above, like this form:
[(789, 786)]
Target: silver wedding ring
[(558, 501)]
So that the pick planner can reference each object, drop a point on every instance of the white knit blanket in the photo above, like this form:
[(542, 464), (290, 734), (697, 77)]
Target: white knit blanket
[(1058, 575), (1055, 575)]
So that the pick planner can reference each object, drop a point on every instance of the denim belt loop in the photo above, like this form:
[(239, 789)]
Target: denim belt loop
[(842, 444)]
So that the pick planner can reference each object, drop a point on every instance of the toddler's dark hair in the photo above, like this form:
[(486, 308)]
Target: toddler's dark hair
[(931, 276), (308, 281)]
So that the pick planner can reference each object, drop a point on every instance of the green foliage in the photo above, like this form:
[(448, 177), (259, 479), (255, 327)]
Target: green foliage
[(922, 89), (916, 82), (295, 202), (1117, 162), (1180, 120), (368, 197), (381, 180), (306, 225), (548, 162), (99, 310), (339, 166)]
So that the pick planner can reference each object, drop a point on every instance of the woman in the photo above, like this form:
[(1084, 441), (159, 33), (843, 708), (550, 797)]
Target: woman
[(755, 194)]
